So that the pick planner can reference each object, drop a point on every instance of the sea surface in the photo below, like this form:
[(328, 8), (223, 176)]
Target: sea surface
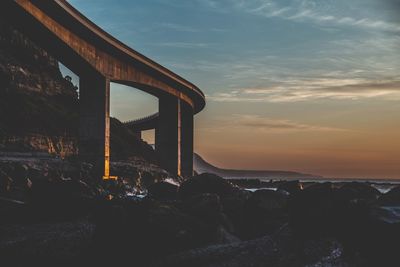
[(382, 185)]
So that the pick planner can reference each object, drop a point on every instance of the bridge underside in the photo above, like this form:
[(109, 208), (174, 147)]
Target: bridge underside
[(98, 59)]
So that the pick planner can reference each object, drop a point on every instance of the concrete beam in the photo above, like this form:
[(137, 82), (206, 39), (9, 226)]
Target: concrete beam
[(167, 135), (81, 38), (187, 127), (94, 130)]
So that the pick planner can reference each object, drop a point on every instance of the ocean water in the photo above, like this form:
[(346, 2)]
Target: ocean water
[(381, 188), (382, 185)]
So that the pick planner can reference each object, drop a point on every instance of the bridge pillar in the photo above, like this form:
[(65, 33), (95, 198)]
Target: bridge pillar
[(138, 134), (187, 126), (167, 135), (94, 128)]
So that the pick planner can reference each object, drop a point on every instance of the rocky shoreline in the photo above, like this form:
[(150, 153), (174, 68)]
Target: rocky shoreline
[(205, 221)]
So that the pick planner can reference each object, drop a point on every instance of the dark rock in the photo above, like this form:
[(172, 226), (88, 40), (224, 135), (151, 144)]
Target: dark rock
[(311, 210), (291, 187), (377, 237), (234, 207), (20, 175), (277, 250), (12, 211), (171, 228), (268, 201), (226, 237), (147, 179), (205, 183), (5, 182), (246, 183), (45, 244), (351, 205), (35, 174), (264, 213), (111, 223), (163, 191), (144, 230), (356, 191), (391, 198), (85, 170), (61, 198), (206, 207)]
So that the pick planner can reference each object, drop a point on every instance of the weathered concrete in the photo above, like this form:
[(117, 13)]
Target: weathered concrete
[(85, 48), (94, 130), (167, 135), (166, 132), (187, 126)]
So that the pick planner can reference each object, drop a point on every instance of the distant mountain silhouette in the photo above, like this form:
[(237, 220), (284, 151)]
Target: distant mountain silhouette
[(202, 166)]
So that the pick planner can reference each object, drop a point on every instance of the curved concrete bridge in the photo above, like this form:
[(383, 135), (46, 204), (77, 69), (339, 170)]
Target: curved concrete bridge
[(98, 59)]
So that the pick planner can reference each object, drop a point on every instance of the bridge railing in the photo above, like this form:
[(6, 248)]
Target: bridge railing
[(141, 120)]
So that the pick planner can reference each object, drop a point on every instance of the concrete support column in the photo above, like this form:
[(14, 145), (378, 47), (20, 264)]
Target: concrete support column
[(94, 130), (187, 127), (138, 134), (168, 134)]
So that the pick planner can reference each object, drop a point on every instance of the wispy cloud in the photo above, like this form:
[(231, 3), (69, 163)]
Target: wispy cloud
[(306, 90), (183, 44), (178, 27), (303, 11), (347, 21), (265, 124), (185, 28)]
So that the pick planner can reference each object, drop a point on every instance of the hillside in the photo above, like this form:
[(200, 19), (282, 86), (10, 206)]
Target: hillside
[(202, 166)]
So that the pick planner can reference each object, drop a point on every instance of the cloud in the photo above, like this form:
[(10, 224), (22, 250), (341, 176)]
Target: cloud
[(303, 11), (314, 89), (183, 45), (259, 123), (346, 21), (178, 27)]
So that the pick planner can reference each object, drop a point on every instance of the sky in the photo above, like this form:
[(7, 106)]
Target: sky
[(301, 85)]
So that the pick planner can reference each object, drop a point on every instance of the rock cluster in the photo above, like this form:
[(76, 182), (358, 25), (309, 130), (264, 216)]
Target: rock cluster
[(206, 221)]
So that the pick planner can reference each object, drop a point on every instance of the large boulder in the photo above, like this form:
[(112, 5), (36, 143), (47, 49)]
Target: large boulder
[(270, 201), (204, 206), (351, 205), (145, 230), (61, 198), (391, 198), (311, 210), (291, 187), (163, 191), (205, 183), (147, 179), (356, 191), (207, 208), (264, 213), (234, 207), (377, 237)]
